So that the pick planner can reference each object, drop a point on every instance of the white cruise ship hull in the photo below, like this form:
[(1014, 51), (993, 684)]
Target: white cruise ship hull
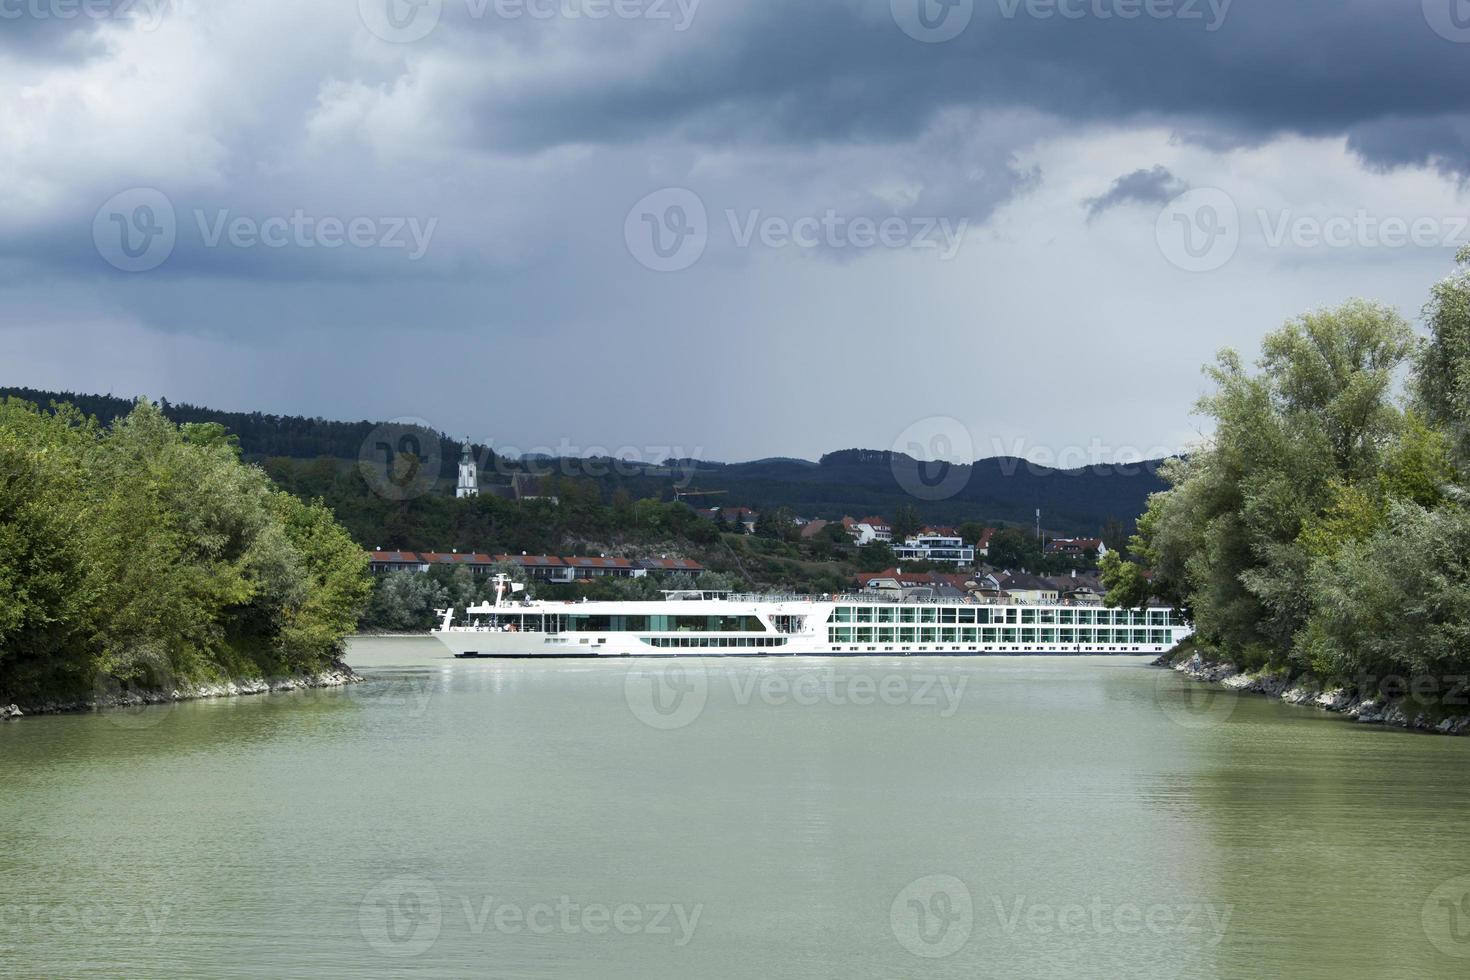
[(842, 627)]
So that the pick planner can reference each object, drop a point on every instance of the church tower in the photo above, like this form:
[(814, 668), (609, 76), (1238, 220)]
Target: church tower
[(469, 477)]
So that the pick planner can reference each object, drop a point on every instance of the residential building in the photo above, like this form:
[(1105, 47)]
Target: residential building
[(1025, 587), (868, 530), (382, 562), (1076, 547), (537, 568), (936, 545), (602, 567)]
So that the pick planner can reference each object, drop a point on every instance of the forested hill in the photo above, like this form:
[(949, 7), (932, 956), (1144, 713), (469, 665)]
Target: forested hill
[(260, 435), (855, 482)]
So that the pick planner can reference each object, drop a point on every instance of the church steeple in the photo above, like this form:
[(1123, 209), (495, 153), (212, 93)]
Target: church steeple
[(469, 476)]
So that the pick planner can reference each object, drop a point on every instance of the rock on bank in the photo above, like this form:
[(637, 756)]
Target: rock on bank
[(1308, 691), (337, 675)]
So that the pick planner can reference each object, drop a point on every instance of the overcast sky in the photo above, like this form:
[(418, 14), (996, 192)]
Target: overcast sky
[(716, 228)]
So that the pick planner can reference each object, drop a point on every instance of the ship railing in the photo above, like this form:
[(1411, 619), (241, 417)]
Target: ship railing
[(883, 597)]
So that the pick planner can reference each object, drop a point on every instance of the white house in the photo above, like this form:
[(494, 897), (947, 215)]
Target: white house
[(936, 544)]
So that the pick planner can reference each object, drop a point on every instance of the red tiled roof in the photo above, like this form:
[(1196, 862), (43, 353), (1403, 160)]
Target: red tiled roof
[(598, 562), (395, 556), (531, 561), (670, 564)]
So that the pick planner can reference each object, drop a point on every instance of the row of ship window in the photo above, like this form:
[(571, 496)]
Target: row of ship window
[(721, 642), (1002, 616), (993, 634)]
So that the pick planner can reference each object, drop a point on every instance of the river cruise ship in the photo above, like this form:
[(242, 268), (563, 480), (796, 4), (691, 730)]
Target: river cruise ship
[(721, 624)]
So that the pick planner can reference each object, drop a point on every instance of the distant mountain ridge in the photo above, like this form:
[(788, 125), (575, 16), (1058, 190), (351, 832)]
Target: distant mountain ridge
[(854, 482)]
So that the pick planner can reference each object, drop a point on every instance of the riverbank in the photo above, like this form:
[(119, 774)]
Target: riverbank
[(337, 675), (1309, 692)]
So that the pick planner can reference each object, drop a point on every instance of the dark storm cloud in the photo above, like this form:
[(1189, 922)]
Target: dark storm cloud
[(1156, 186), (844, 71)]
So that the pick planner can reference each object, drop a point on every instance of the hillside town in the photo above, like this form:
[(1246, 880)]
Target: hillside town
[(964, 572)]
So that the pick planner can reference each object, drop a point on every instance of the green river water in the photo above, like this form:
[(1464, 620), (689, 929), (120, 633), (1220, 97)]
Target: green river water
[(1045, 817)]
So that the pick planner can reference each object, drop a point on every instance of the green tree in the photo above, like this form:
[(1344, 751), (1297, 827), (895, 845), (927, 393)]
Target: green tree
[(1293, 472), (1442, 377), (1014, 548), (906, 522)]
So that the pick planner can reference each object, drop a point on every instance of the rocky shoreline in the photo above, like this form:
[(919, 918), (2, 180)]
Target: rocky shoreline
[(1306, 691), (338, 675)]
